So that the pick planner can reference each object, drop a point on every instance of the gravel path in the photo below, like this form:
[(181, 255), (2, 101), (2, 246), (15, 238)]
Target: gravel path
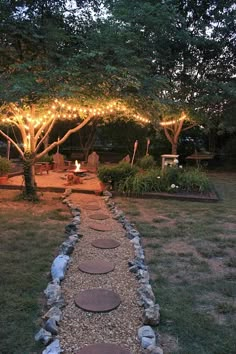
[(79, 328)]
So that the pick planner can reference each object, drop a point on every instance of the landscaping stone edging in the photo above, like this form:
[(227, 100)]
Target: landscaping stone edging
[(55, 301), (151, 310)]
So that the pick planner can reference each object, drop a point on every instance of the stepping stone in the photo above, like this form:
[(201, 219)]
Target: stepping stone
[(105, 243), (103, 348), (97, 300), (99, 216), (96, 267), (100, 227), (92, 207)]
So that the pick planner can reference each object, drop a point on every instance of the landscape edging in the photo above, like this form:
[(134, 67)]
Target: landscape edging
[(151, 310), (151, 315), (182, 197), (55, 301)]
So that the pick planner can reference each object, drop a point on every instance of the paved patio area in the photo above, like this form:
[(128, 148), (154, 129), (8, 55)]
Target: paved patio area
[(57, 182)]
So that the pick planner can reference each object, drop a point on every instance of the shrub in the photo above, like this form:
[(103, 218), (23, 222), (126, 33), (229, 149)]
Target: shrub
[(46, 158), (127, 179), (5, 166), (141, 183), (172, 180), (116, 174), (147, 162), (170, 176), (193, 180)]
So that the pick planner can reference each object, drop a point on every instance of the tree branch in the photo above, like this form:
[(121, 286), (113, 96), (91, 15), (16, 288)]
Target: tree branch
[(45, 136), (66, 136), (178, 130), (167, 134), (37, 135), (13, 143), (190, 126)]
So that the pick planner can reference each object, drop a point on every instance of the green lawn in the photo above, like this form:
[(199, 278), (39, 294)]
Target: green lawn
[(29, 238), (191, 251)]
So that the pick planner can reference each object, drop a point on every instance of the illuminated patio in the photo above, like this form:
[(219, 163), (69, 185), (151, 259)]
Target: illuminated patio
[(57, 182)]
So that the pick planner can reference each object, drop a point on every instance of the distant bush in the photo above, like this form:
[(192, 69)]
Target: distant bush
[(116, 174), (146, 162), (46, 158)]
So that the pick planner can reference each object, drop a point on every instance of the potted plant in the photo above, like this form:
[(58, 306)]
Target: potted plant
[(5, 166)]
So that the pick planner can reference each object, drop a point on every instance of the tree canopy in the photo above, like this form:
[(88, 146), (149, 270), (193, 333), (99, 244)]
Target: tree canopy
[(164, 57)]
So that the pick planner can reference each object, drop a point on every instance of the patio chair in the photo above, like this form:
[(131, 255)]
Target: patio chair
[(41, 167), (60, 164), (93, 162)]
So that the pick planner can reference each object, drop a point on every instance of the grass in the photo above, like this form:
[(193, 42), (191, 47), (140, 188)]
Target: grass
[(190, 249), (29, 237)]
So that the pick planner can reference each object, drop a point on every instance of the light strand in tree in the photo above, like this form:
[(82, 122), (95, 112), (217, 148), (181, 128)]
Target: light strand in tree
[(34, 127), (174, 121)]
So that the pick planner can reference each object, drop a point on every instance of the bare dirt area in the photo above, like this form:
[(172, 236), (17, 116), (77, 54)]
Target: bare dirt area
[(49, 201)]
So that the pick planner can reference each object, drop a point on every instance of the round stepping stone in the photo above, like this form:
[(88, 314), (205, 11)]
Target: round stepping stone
[(100, 227), (105, 243), (99, 216), (96, 266), (103, 348), (92, 207), (97, 300)]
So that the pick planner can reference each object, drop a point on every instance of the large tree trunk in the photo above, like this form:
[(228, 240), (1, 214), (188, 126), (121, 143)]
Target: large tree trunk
[(87, 138), (174, 148), (29, 179)]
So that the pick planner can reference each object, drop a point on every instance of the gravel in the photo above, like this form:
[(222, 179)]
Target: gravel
[(79, 328)]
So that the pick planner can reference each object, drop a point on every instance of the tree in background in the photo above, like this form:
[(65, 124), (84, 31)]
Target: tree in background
[(87, 137), (185, 57), (121, 133)]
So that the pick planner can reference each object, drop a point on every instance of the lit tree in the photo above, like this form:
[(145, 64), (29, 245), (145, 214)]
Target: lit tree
[(173, 128), (35, 124)]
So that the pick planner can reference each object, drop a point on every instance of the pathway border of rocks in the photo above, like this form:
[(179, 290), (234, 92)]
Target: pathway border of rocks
[(149, 337)]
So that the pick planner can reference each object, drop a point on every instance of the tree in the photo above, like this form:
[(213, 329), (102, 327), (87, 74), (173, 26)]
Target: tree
[(173, 128), (36, 38), (187, 51), (176, 53), (35, 124), (121, 133), (87, 137)]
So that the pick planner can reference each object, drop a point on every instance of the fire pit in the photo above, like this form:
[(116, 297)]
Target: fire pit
[(74, 176)]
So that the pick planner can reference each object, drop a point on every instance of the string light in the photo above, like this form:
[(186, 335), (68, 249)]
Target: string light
[(37, 125), (174, 121)]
